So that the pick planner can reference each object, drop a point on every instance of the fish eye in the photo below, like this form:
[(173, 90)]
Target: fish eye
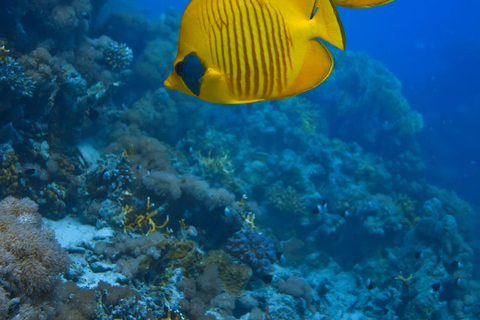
[(191, 71)]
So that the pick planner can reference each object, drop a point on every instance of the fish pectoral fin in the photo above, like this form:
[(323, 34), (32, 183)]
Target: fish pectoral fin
[(213, 74), (216, 88), (327, 24), (361, 3), (317, 66)]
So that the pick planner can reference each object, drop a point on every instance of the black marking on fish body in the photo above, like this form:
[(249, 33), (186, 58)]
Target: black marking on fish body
[(261, 69), (251, 19)]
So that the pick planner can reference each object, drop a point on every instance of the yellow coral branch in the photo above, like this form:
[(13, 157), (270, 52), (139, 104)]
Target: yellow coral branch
[(406, 281)]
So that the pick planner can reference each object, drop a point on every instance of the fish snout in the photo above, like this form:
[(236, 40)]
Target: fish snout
[(168, 83)]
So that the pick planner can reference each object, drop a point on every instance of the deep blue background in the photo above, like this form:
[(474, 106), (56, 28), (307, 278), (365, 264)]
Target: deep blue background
[(433, 47)]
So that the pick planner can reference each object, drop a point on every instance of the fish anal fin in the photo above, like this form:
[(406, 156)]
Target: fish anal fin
[(317, 66), (361, 3)]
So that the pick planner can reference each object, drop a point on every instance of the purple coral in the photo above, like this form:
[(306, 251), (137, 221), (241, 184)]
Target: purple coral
[(253, 249)]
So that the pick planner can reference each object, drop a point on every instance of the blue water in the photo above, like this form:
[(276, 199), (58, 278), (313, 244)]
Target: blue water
[(433, 47)]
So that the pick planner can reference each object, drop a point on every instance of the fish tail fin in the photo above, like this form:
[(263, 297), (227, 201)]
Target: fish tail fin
[(327, 23), (361, 3)]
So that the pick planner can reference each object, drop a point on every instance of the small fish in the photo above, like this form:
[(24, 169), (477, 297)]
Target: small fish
[(242, 51), (278, 255), (260, 156), (436, 286), (458, 281), (86, 15), (320, 209), (30, 172), (456, 264), (267, 278), (369, 284)]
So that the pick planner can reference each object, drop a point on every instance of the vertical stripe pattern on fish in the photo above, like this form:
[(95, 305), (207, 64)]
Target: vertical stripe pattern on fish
[(239, 51)]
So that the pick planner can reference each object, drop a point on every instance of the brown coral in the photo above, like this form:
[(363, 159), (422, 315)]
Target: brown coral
[(234, 277), (31, 259)]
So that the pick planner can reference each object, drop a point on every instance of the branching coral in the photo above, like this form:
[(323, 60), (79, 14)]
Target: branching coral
[(143, 220), (406, 281), (118, 56), (3, 51)]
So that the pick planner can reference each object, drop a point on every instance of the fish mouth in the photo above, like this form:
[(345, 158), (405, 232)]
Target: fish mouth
[(168, 82)]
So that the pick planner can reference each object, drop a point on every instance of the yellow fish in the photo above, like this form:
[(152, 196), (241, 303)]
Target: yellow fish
[(241, 51)]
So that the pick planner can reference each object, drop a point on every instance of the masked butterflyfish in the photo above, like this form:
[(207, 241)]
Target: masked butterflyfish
[(241, 51)]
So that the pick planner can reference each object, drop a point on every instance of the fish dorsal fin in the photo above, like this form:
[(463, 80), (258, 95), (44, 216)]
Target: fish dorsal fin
[(306, 7), (317, 66), (327, 23), (314, 8), (361, 3)]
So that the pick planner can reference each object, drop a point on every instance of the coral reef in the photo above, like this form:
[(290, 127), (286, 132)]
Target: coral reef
[(14, 83), (31, 262), (254, 249), (118, 56), (314, 207)]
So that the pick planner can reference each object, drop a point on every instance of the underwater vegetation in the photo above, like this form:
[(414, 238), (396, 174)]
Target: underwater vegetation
[(124, 200)]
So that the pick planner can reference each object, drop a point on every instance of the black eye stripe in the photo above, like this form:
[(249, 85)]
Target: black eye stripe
[(191, 71), (179, 68)]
